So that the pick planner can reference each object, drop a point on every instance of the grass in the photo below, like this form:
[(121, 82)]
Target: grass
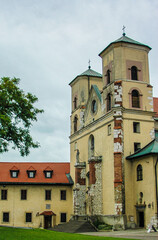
[(42, 234)]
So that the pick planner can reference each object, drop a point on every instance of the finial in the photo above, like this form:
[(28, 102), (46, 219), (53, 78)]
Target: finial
[(123, 29), (89, 62)]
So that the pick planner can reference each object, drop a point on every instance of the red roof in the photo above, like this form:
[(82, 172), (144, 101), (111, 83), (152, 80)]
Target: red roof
[(60, 173), (155, 101)]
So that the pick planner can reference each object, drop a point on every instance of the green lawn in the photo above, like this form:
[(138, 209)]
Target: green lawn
[(40, 234)]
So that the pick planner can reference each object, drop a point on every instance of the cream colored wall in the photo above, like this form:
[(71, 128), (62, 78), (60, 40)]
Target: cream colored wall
[(146, 186), (35, 204)]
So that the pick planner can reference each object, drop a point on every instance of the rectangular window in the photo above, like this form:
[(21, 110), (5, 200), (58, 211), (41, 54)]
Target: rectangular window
[(136, 127), (28, 217), (6, 217), (47, 194), (109, 129), (3, 194), (23, 194), (63, 217), (137, 146), (63, 195)]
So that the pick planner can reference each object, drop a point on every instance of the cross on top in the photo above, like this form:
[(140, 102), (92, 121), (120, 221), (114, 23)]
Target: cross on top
[(89, 64), (123, 30)]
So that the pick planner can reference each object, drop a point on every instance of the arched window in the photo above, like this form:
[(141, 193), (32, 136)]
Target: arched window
[(91, 146), (75, 123), (139, 173), (135, 99), (94, 106), (75, 103), (134, 73), (108, 102), (108, 76)]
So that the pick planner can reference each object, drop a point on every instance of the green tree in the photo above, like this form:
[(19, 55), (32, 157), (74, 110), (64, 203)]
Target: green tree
[(17, 112)]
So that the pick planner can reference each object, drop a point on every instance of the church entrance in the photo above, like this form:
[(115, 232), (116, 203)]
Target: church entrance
[(141, 219)]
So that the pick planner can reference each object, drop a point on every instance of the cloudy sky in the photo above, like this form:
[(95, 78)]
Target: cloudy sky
[(46, 43)]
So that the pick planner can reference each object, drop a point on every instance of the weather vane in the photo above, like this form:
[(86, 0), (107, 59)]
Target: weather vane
[(123, 29), (89, 62)]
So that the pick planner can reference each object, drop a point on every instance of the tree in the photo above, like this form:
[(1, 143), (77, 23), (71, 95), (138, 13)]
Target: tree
[(17, 112)]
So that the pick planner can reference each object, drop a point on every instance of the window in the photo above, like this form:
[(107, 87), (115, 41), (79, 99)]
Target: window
[(137, 146), (75, 103), (28, 217), (31, 174), (94, 106), (23, 194), (139, 173), (136, 127), (3, 194), (6, 217), (108, 76), (108, 102), (63, 217), (48, 174), (109, 129), (75, 123), (135, 99), (14, 173), (134, 73), (47, 194), (63, 195), (91, 145)]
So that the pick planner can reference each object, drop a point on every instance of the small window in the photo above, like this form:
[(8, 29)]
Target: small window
[(3, 194), (14, 173), (136, 127), (6, 217), (137, 146), (48, 174), (135, 99), (23, 194), (139, 173), (108, 102), (109, 129), (94, 106), (28, 217), (63, 195), (134, 73), (47, 194), (31, 174), (75, 123), (63, 217), (108, 76), (75, 103)]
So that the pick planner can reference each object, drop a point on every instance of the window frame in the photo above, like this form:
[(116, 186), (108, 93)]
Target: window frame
[(75, 123), (94, 106), (136, 148), (108, 76), (48, 194), (63, 215), (28, 217), (23, 194), (134, 73), (16, 172), (139, 172), (135, 99), (4, 216), (109, 102), (33, 172), (109, 129), (63, 195), (136, 127), (48, 172), (4, 194)]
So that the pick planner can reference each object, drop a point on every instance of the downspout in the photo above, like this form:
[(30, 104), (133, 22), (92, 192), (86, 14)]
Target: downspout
[(156, 189)]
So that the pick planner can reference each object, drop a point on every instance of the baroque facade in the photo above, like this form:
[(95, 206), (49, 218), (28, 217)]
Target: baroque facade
[(113, 117)]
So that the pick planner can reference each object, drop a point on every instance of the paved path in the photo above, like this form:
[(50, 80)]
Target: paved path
[(129, 234)]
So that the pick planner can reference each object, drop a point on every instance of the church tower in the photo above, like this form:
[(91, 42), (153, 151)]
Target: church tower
[(112, 117)]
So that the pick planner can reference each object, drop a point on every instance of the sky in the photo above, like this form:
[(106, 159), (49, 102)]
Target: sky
[(47, 43)]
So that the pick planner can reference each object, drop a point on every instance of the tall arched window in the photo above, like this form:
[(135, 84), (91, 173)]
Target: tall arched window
[(75, 103), (139, 173), (75, 123), (108, 102), (108, 76), (91, 146), (134, 73), (135, 99)]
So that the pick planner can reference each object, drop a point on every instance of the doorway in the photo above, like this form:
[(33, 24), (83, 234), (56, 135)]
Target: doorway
[(47, 222), (141, 219)]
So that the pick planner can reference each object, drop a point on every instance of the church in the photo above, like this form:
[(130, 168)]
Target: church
[(112, 174), (114, 138)]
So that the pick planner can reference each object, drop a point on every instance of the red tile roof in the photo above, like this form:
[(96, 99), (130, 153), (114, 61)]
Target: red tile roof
[(155, 101), (60, 173)]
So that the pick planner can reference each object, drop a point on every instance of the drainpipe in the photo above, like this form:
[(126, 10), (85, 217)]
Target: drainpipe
[(156, 189)]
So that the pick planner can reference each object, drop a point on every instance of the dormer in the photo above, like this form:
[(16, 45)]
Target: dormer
[(14, 172), (48, 172), (31, 172)]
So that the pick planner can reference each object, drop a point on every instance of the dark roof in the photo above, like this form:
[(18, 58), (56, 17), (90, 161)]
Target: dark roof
[(151, 148), (89, 72), (125, 39), (61, 173), (97, 91)]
